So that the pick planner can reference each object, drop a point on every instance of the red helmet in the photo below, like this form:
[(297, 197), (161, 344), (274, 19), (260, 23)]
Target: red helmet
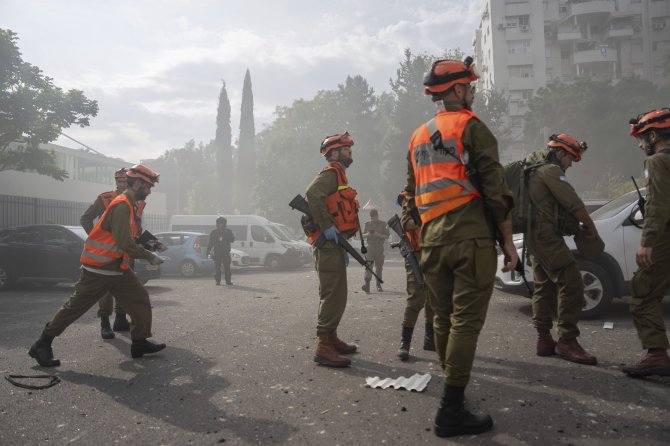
[(569, 144), (655, 119), (335, 142), (444, 74), (143, 173), (121, 173)]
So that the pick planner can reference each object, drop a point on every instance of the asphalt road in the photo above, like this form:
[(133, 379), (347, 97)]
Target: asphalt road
[(238, 369)]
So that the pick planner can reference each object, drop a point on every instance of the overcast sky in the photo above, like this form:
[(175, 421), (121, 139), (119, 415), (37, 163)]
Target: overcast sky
[(156, 67)]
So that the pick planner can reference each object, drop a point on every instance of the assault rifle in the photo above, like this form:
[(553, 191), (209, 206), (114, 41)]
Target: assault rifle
[(406, 249), (300, 204), (641, 201), (150, 242)]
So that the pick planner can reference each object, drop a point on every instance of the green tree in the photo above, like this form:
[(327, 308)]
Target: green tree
[(492, 107), (34, 111), (597, 112), (224, 154), (246, 165)]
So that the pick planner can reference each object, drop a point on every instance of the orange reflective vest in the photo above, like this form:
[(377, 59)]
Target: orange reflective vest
[(107, 197), (100, 249), (341, 205), (442, 183)]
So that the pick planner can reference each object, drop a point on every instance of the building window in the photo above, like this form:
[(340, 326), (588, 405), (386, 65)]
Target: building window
[(518, 46), (521, 71)]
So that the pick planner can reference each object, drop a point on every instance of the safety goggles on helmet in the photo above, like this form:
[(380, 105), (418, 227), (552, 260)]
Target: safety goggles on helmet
[(444, 74), (143, 173), (566, 142), (655, 119), (121, 173), (333, 142)]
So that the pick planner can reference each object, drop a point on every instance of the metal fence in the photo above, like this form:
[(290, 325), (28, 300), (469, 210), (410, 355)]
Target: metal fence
[(16, 211)]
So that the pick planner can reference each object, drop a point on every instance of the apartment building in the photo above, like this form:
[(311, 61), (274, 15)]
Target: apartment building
[(521, 45)]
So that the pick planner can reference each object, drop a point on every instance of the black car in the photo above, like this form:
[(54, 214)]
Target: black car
[(49, 254)]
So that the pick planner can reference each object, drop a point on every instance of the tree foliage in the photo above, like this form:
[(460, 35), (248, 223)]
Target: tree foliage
[(224, 154), (597, 112), (246, 167), (34, 111)]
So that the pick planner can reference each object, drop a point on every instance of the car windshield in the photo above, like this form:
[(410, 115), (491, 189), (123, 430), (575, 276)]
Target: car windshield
[(288, 231), (278, 233), (79, 232), (615, 206)]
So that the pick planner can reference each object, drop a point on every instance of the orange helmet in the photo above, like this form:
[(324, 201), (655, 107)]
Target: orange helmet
[(121, 173), (655, 119), (333, 142), (444, 74), (143, 173), (569, 144)]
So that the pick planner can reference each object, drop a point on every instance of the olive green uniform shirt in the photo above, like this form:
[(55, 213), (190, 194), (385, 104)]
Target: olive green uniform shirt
[(657, 208), (548, 188), (376, 232), (94, 211), (466, 222)]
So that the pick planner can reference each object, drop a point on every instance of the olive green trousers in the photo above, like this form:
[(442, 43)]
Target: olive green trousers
[(459, 278), (329, 261), (416, 300)]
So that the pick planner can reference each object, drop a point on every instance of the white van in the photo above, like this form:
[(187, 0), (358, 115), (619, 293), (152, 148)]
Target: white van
[(265, 243)]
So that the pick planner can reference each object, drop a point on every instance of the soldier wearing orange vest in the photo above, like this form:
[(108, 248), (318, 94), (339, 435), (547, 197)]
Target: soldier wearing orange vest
[(334, 208), (456, 187), (87, 221), (106, 269), (416, 297)]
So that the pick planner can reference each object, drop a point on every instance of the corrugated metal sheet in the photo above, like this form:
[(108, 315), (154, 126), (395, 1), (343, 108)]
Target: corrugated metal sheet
[(416, 382)]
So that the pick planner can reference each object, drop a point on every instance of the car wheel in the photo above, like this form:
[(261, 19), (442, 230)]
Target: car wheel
[(188, 269), (6, 278), (597, 289), (273, 262)]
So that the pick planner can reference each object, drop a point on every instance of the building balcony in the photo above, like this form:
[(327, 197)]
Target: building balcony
[(521, 83), (514, 9), (519, 33), (620, 32), (518, 108), (594, 7), (569, 34), (520, 59), (604, 54)]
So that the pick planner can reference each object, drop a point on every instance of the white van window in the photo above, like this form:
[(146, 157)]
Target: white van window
[(277, 232), (239, 231), (260, 234)]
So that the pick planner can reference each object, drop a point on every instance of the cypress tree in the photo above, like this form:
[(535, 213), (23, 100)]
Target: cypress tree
[(246, 168), (224, 154)]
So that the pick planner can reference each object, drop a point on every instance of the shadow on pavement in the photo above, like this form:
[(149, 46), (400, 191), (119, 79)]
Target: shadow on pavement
[(177, 387)]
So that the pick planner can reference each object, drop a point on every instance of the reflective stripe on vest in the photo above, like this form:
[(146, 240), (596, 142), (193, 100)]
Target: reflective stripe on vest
[(441, 180), (100, 248)]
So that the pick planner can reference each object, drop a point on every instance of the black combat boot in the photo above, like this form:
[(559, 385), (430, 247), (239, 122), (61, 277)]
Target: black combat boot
[(42, 352), (429, 338), (405, 340), (105, 328), (121, 323), (141, 347), (366, 287), (453, 419)]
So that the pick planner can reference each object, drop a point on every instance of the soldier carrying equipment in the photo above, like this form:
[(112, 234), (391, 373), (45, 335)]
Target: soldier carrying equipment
[(310, 226), (406, 249)]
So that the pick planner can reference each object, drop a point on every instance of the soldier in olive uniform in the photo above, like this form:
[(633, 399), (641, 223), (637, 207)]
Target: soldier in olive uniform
[(376, 232), (416, 299), (458, 213), (87, 220), (558, 283), (334, 208), (652, 278)]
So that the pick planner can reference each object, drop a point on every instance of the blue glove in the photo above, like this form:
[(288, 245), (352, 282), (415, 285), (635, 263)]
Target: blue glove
[(331, 234)]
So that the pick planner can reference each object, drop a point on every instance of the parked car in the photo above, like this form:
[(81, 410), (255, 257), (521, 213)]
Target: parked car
[(187, 254), (618, 223), (49, 254)]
